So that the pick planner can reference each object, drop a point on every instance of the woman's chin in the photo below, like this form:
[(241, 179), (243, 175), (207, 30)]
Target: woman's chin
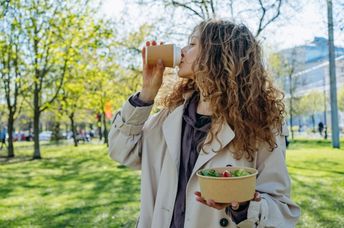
[(183, 75)]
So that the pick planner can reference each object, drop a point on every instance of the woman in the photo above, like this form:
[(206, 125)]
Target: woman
[(224, 111)]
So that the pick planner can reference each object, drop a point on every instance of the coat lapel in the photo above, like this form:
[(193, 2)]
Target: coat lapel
[(172, 128), (225, 136)]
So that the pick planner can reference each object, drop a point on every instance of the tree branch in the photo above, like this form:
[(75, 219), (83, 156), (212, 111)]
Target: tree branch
[(45, 105), (205, 7), (262, 26), (175, 3), (212, 8)]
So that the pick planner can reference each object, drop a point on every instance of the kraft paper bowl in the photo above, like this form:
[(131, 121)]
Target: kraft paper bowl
[(228, 189)]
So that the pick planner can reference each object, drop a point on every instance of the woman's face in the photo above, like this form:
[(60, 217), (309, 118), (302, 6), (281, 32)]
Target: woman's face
[(189, 55)]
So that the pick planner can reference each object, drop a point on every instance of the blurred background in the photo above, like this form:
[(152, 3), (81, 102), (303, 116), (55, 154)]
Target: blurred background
[(67, 66)]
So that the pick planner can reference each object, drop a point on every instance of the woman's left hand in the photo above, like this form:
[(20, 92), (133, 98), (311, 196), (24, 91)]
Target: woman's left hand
[(220, 206)]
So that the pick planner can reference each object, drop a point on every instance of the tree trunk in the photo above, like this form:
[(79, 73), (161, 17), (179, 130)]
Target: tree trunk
[(106, 141), (72, 123), (99, 125), (10, 134), (37, 152), (313, 122), (333, 83), (291, 107), (56, 132), (67, 127)]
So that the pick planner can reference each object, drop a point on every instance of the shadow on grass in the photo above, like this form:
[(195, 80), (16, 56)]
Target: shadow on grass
[(84, 189), (320, 165), (4, 160), (85, 216), (319, 202), (311, 143)]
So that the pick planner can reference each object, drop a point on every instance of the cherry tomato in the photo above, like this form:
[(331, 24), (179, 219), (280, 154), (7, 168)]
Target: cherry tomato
[(226, 173)]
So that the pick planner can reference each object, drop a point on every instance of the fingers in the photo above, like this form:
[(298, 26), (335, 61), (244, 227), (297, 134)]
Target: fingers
[(143, 53), (155, 43), (220, 206), (257, 197), (235, 205), (198, 194), (148, 43), (199, 198), (160, 66), (209, 202), (143, 50)]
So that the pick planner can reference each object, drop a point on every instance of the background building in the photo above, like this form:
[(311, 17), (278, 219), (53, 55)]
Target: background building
[(311, 73)]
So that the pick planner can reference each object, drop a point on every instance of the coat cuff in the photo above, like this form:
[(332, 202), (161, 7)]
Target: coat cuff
[(257, 214), (131, 119), (137, 102), (238, 215)]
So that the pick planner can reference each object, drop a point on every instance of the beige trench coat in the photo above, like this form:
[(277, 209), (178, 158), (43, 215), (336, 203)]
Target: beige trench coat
[(152, 144)]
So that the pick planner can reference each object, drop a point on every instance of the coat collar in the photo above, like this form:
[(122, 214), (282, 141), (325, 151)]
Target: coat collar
[(225, 136), (172, 128)]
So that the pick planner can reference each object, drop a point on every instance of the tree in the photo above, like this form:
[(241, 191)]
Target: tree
[(4, 4), (341, 99), (51, 28), (310, 104), (74, 94), (103, 92), (12, 74), (265, 12), (283, 68)]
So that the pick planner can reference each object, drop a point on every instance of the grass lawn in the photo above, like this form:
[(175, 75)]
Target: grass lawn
[(82, 187), (317, 173), (69, 187)]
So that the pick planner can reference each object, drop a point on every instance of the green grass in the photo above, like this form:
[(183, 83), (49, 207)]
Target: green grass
[(82, 187), (317, 173), (70, 187)]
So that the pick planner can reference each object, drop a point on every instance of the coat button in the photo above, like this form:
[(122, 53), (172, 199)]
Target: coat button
[(224, 222)]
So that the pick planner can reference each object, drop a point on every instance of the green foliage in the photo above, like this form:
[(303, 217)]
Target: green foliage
[(341, 99), (310, 103)]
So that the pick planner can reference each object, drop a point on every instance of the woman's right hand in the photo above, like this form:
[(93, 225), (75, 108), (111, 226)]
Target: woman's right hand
[(152, 76)]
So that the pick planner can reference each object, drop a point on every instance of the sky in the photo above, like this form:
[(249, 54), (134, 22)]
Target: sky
[(293, 28)]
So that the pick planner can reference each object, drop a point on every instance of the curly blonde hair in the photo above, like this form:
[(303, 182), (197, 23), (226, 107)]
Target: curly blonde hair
[(232, 76)]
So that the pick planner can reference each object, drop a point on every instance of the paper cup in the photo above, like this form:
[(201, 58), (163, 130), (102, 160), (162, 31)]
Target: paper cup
[(170, 55)]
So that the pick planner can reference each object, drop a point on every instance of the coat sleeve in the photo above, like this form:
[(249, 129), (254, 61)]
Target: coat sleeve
[(125, 136), (273, 182)]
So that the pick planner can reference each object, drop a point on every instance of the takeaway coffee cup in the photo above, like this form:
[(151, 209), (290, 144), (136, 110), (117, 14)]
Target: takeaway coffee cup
[(170, 54)]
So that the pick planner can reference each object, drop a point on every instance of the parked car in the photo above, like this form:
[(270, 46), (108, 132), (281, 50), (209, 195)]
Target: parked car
[(83, 137), (45, 135), (67, 135), (18, 136)]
